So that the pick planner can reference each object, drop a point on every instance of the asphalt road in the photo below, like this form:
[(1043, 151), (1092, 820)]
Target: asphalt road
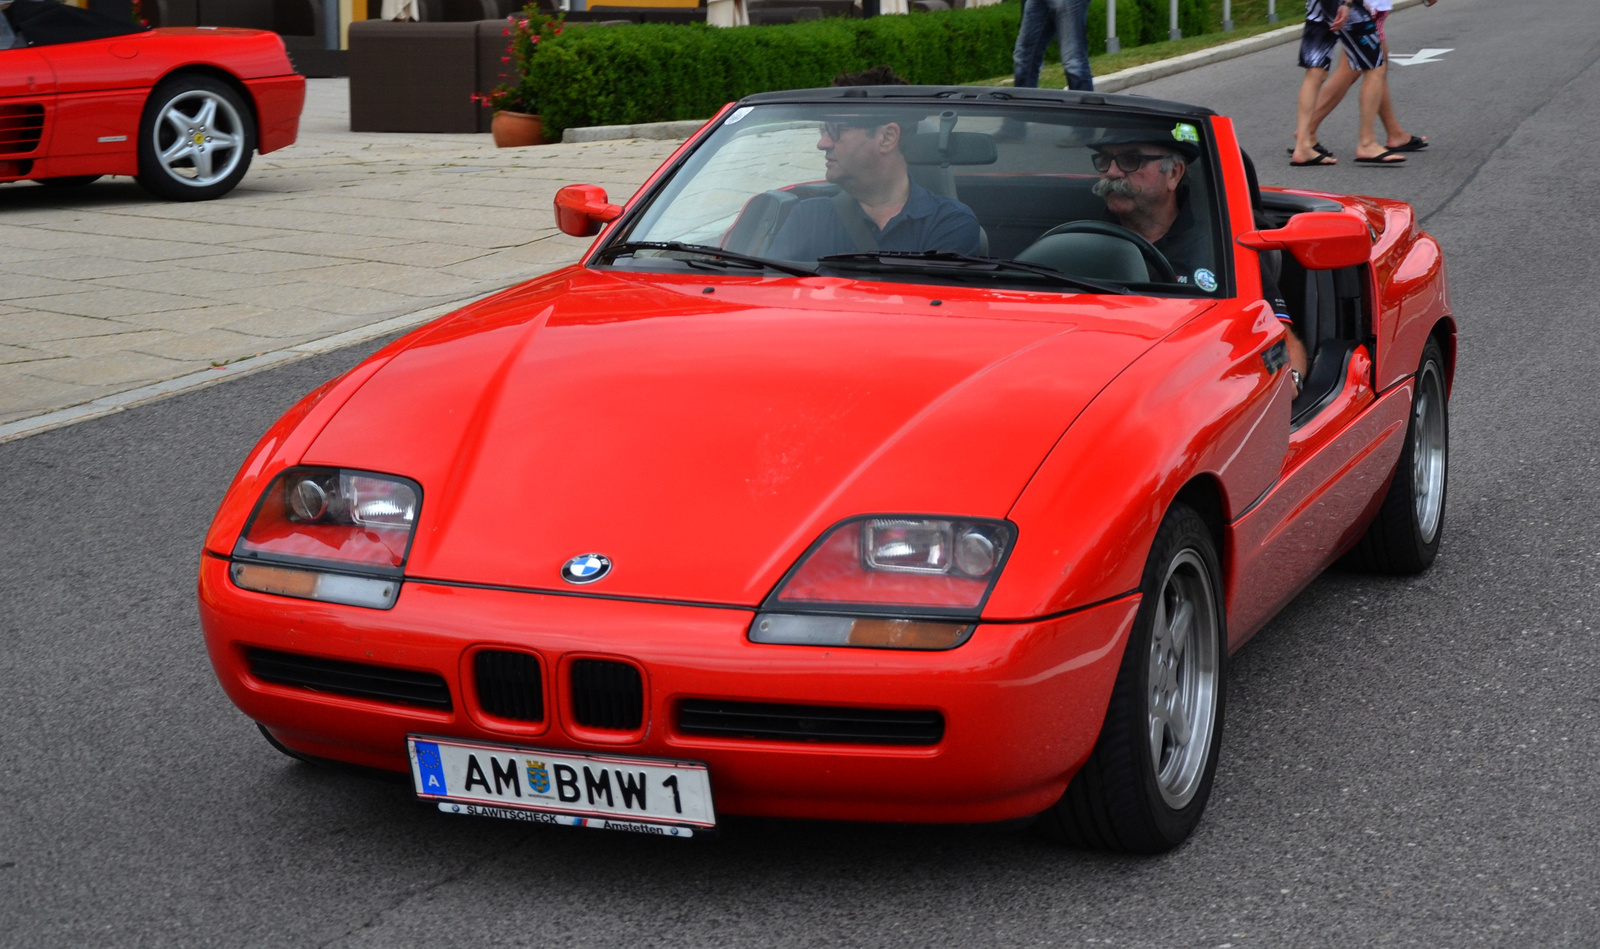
[(1406, 762)]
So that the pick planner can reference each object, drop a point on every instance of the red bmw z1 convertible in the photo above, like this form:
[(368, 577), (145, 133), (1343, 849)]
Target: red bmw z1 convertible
[(182, 110), (895, 454)]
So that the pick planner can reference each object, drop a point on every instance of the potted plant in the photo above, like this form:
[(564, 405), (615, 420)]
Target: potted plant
[(515, 102)]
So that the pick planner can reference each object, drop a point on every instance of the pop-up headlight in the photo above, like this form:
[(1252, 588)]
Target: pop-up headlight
[(889, 582), (330, 534)]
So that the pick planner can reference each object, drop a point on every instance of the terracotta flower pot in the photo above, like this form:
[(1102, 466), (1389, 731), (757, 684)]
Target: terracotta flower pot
[(516, 129)]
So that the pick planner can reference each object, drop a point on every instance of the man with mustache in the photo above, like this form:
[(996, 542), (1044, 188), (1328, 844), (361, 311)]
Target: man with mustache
[(1143, 183)]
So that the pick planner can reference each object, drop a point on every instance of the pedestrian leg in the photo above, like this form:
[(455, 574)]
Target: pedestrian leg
[(1373, 85), (1072, 32), (1305, 132), (1033, 36)]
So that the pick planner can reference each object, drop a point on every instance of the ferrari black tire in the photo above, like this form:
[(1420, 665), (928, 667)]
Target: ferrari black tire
[(195, 139), (70, 181), (1404, 537), (1147, 781)]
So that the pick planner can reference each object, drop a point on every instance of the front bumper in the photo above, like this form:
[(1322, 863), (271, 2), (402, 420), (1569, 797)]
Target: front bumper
[(1022, 702)]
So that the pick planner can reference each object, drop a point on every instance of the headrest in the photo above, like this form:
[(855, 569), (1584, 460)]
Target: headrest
[(964, 148)]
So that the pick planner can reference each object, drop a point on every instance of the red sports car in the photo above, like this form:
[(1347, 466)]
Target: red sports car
[(84, 95), (896, 454)]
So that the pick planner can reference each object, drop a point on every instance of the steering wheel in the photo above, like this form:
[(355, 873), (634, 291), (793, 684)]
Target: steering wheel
[(1154, 259)]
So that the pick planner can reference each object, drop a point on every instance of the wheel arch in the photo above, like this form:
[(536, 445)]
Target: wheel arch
[(1444, 331), (1203, 493)]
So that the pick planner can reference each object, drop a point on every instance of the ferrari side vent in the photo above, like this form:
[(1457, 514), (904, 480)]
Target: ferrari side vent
[(607, 695), (357, 679), (817, 723), (21, 127), (509, 685)]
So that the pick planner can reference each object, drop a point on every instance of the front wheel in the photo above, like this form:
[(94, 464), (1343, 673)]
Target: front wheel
[(195, 140), (1146, 783), (1404, 537)]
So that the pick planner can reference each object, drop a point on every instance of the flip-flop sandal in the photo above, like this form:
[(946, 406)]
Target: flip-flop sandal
[(1381, 158), (1323, 158), (1324, 151), (1417, 144)]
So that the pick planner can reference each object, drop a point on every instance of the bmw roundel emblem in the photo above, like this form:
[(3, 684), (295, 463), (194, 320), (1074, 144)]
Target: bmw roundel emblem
[(586, 568)]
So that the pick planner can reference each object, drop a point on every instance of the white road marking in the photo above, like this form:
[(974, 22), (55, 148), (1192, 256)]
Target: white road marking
[(1420, 56)]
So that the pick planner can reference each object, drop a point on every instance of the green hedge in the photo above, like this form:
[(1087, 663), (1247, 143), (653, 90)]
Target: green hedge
[(623, 75)]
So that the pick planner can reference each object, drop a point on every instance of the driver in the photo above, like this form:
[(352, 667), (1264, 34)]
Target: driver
[(878, 207), (1144, 183)]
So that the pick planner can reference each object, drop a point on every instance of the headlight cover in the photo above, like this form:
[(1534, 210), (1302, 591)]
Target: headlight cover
[(892, 582), (330, 534)]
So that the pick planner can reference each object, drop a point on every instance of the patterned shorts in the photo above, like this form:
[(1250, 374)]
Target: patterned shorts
[(1360, 40)]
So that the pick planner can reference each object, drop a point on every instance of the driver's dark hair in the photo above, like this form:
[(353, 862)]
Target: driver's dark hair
[(876, 76)]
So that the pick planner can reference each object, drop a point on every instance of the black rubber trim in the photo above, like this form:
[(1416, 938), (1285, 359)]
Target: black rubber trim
[(714, 718), (354, 679)]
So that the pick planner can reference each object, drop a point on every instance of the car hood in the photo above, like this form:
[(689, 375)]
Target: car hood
[(702, 433)]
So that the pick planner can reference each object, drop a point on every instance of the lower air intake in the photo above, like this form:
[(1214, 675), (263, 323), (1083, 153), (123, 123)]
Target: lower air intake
[(357, 679), (815, 723), (607, 695), (509, 685)]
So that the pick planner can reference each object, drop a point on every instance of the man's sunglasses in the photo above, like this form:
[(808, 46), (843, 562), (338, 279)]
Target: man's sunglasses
[(835, 129), (1129, 162)]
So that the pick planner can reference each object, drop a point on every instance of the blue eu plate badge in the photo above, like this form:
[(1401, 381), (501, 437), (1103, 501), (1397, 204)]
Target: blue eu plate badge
[(430, 768)]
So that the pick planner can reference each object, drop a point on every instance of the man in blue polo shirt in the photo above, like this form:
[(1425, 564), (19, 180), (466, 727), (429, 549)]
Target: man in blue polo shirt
[(878, 208)]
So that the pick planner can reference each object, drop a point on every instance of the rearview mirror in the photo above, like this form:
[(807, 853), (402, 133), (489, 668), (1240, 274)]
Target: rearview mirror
[(1320, 240), (581, 210)]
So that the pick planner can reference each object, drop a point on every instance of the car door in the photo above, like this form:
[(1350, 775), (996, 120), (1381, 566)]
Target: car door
[(1343, 444), (27, 110)]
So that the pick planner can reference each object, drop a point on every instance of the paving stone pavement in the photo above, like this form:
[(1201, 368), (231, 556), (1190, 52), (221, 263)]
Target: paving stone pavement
[(105, 290)]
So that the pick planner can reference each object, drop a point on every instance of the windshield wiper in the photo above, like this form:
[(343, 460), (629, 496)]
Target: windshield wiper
[(718, 253), (949, 260)]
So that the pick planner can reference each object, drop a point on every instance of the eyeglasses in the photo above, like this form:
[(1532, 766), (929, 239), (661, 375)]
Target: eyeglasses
[(1129, 162), (835, 129)]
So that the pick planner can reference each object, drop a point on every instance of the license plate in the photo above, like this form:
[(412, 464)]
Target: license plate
[(489, 777)]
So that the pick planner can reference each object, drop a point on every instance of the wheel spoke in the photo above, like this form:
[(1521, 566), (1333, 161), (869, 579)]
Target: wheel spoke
[(202, 162), (208, 115), (176, 151), (223, 140), (1182, 629), (180, 123)]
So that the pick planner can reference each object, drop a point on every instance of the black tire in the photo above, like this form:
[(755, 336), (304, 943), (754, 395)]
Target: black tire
[(1404, 537), (216, 123), (1126, 798), (71, 181)]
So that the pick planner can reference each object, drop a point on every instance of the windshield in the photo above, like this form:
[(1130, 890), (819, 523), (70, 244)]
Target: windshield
[(960, 193)]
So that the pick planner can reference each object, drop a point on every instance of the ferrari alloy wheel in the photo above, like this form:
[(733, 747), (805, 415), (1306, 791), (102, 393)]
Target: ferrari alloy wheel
[(1146, 783), (1404, 537), (195, 140)]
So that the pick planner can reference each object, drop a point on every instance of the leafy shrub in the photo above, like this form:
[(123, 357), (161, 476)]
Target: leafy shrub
[(525, 30), (622, 75), (625, 75)]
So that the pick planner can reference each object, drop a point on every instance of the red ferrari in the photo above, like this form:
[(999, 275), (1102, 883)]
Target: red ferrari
[(84, 95), (895, 454)]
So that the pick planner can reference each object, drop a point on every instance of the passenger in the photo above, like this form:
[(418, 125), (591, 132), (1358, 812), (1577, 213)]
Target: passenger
[(878, 207), (1144, 183)]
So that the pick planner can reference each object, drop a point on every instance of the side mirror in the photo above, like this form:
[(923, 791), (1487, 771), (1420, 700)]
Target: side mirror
[(581, 210), (1320, 240)]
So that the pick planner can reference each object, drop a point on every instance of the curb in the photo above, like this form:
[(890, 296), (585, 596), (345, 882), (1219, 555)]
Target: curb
[(116, 402), (1113, 82)]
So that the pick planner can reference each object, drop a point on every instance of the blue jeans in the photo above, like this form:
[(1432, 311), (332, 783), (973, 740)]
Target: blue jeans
[(1068, 22)]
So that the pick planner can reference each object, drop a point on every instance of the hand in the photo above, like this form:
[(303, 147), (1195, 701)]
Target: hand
[(1340, 21)]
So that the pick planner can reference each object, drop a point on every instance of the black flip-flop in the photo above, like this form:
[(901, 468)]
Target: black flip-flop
[(1324, 151), (1323, 158), (1417, 144), (1381, 159)]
